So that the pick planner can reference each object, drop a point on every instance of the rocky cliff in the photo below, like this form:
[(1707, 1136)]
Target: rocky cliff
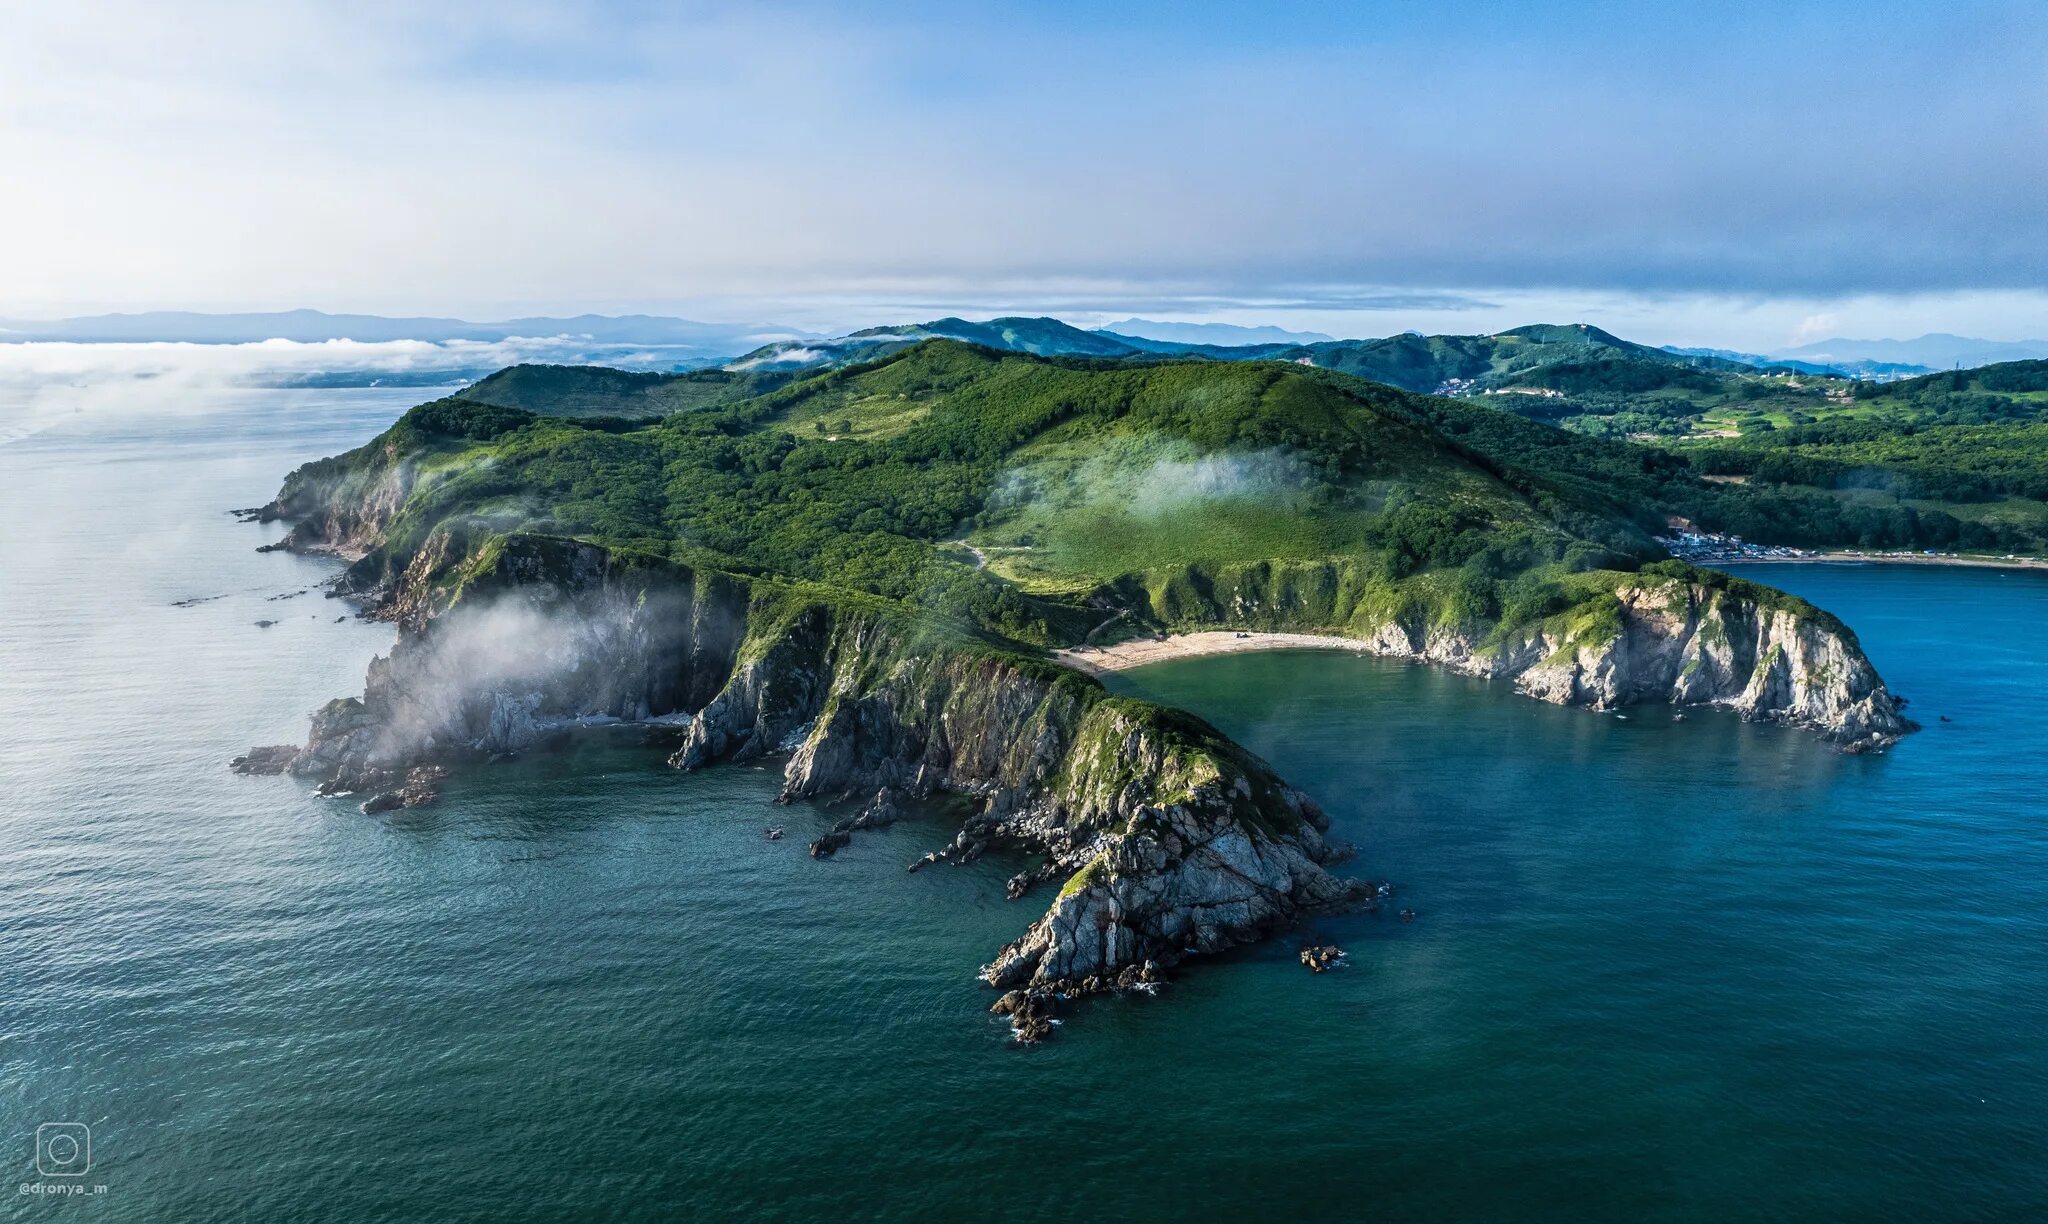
[(1668, 634), (1168, 840), (343, 504), (1682, 644), (829, 615), (500, 649)]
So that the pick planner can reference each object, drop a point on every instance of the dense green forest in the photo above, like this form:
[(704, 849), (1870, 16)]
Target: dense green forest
[(1022, 497), (1576, 376), (1972, 444), (581, 391)]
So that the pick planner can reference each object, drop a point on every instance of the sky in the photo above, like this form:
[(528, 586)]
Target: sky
[(1749, 176)]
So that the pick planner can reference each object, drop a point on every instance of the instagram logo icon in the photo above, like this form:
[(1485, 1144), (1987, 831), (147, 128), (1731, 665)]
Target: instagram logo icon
[(63, 1149)]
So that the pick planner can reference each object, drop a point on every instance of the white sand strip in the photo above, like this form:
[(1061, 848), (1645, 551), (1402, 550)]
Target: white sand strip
[(1101, 660)]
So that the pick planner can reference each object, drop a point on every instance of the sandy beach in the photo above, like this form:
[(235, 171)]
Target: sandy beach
[(1138, 652), (1101, 660)]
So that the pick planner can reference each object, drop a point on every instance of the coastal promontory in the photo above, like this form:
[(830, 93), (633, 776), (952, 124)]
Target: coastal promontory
[(895, 577)]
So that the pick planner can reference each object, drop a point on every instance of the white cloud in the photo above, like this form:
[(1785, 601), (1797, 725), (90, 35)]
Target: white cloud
[(45, 362), (42, 383), (533, 157)]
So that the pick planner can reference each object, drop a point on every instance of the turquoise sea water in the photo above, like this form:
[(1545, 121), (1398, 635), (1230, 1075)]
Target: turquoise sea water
[(1695, 970)]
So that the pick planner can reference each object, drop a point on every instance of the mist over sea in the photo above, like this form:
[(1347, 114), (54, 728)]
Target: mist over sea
[(1697, 970)]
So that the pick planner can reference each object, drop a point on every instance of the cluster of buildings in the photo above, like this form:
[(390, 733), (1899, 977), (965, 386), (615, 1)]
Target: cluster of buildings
[(1707, 546)]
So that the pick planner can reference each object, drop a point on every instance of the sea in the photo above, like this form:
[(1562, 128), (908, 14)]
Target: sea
[(1657, 969)]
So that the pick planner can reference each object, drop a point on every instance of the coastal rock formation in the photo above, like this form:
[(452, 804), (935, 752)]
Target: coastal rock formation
[(268, 759), (1171, 840), (341, 505), (418, 791), (1322, 958), (500, 651), (1684, 644), (1168, 840), (1670, 634)]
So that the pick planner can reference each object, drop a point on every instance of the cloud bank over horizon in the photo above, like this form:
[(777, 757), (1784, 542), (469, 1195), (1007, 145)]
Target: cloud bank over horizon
[(43, 383), (1400, 160)]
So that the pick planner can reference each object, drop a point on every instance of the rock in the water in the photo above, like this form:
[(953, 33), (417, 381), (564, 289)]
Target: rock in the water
[(418, 791), (1024, 881), (1030, 1013), (1323, 958), (269, 759)]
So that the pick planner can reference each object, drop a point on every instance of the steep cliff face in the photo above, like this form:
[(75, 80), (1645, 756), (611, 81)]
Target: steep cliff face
[(1626, 639), (344, 504), (498, 650), (1171, 852), (1172, 840), (1682, 644)]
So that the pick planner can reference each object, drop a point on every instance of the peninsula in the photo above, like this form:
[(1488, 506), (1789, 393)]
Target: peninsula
[(899, 572)]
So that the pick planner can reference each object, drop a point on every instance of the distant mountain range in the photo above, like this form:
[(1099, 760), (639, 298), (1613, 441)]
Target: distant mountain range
[(1876, 371), (1934, 351), (1885, 360), (1209, 333), (1545, 356), (1554, 358), (1043, 337)]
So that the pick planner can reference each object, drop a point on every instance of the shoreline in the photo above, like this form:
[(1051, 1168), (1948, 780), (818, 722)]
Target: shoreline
[(1140, 652), (1144, 651), (1849, 558)]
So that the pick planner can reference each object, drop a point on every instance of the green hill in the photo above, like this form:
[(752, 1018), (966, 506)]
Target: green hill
[(590, 391), (899, 574), (1080, 481), (1040, 336), (1971, 445), (1573, 375)]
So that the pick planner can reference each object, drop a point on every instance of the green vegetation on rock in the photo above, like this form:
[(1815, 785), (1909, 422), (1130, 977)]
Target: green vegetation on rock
[(1027, 501)]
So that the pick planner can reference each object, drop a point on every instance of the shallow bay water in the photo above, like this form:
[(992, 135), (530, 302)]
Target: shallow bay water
[(1678, 970)]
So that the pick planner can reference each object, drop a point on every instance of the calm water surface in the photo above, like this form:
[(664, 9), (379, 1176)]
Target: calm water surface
[(1674, 971)]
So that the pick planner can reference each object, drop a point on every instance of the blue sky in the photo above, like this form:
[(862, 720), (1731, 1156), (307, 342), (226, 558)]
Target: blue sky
[(1735, 174)]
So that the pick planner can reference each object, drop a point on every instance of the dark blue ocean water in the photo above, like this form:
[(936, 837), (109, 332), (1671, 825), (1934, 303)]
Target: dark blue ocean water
[(1695, 970)]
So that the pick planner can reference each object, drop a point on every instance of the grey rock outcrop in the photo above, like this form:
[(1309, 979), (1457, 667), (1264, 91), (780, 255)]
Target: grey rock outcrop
[(1178, 842), (1683, 644)]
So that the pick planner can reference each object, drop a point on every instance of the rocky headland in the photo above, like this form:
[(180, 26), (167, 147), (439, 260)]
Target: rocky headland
[(1669, 642), (1163, 839), (763, 586)]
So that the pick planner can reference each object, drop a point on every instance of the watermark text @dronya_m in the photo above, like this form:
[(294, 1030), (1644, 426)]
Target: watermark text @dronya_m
[(63, 1153)]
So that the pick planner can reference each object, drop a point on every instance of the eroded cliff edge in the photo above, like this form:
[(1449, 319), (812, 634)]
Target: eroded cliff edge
[(1668, 634), (1166, 840), (786, 573)]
